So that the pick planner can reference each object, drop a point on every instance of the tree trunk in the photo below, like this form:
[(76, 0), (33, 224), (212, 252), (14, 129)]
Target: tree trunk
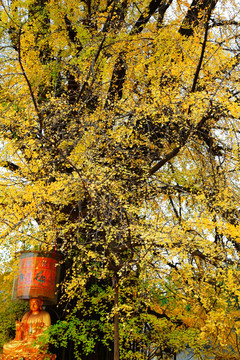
[(116, 321)]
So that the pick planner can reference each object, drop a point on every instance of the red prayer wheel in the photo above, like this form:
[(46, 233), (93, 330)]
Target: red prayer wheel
[(38, 276)]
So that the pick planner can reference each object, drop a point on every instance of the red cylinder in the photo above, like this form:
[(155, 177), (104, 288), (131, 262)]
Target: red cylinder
[(38, 276)]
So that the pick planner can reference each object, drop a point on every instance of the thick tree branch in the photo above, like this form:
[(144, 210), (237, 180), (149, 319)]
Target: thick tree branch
[(199, 130), (72, 33), (200, 59), (199, 11), (163, 315), (201, 56), (117, 81), (154, 5), (40, 118), (163, 161), (9, 165), (91, 69), (119, 71)]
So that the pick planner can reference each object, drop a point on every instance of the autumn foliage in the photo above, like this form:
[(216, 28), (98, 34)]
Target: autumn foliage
[(119, 125)]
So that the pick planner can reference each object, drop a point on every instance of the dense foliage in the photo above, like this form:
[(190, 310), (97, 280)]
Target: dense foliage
[(119, 125)]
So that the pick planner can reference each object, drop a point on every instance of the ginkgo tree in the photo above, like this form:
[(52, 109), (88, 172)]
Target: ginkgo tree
[(119, 125)]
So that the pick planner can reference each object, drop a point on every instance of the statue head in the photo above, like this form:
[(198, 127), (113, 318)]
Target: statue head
[(36, 305)]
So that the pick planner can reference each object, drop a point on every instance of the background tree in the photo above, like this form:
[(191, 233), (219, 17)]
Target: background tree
[(119, 127)]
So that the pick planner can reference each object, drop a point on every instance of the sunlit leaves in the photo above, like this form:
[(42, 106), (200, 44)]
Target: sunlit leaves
[(120, 148)]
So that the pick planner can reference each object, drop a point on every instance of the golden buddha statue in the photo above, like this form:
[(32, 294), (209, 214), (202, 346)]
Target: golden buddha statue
[(31, 327)]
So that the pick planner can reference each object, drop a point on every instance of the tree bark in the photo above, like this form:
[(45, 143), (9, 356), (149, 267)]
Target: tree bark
[(116, 320)]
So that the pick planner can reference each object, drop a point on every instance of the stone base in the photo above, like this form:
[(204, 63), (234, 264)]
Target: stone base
[(28, 357)]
